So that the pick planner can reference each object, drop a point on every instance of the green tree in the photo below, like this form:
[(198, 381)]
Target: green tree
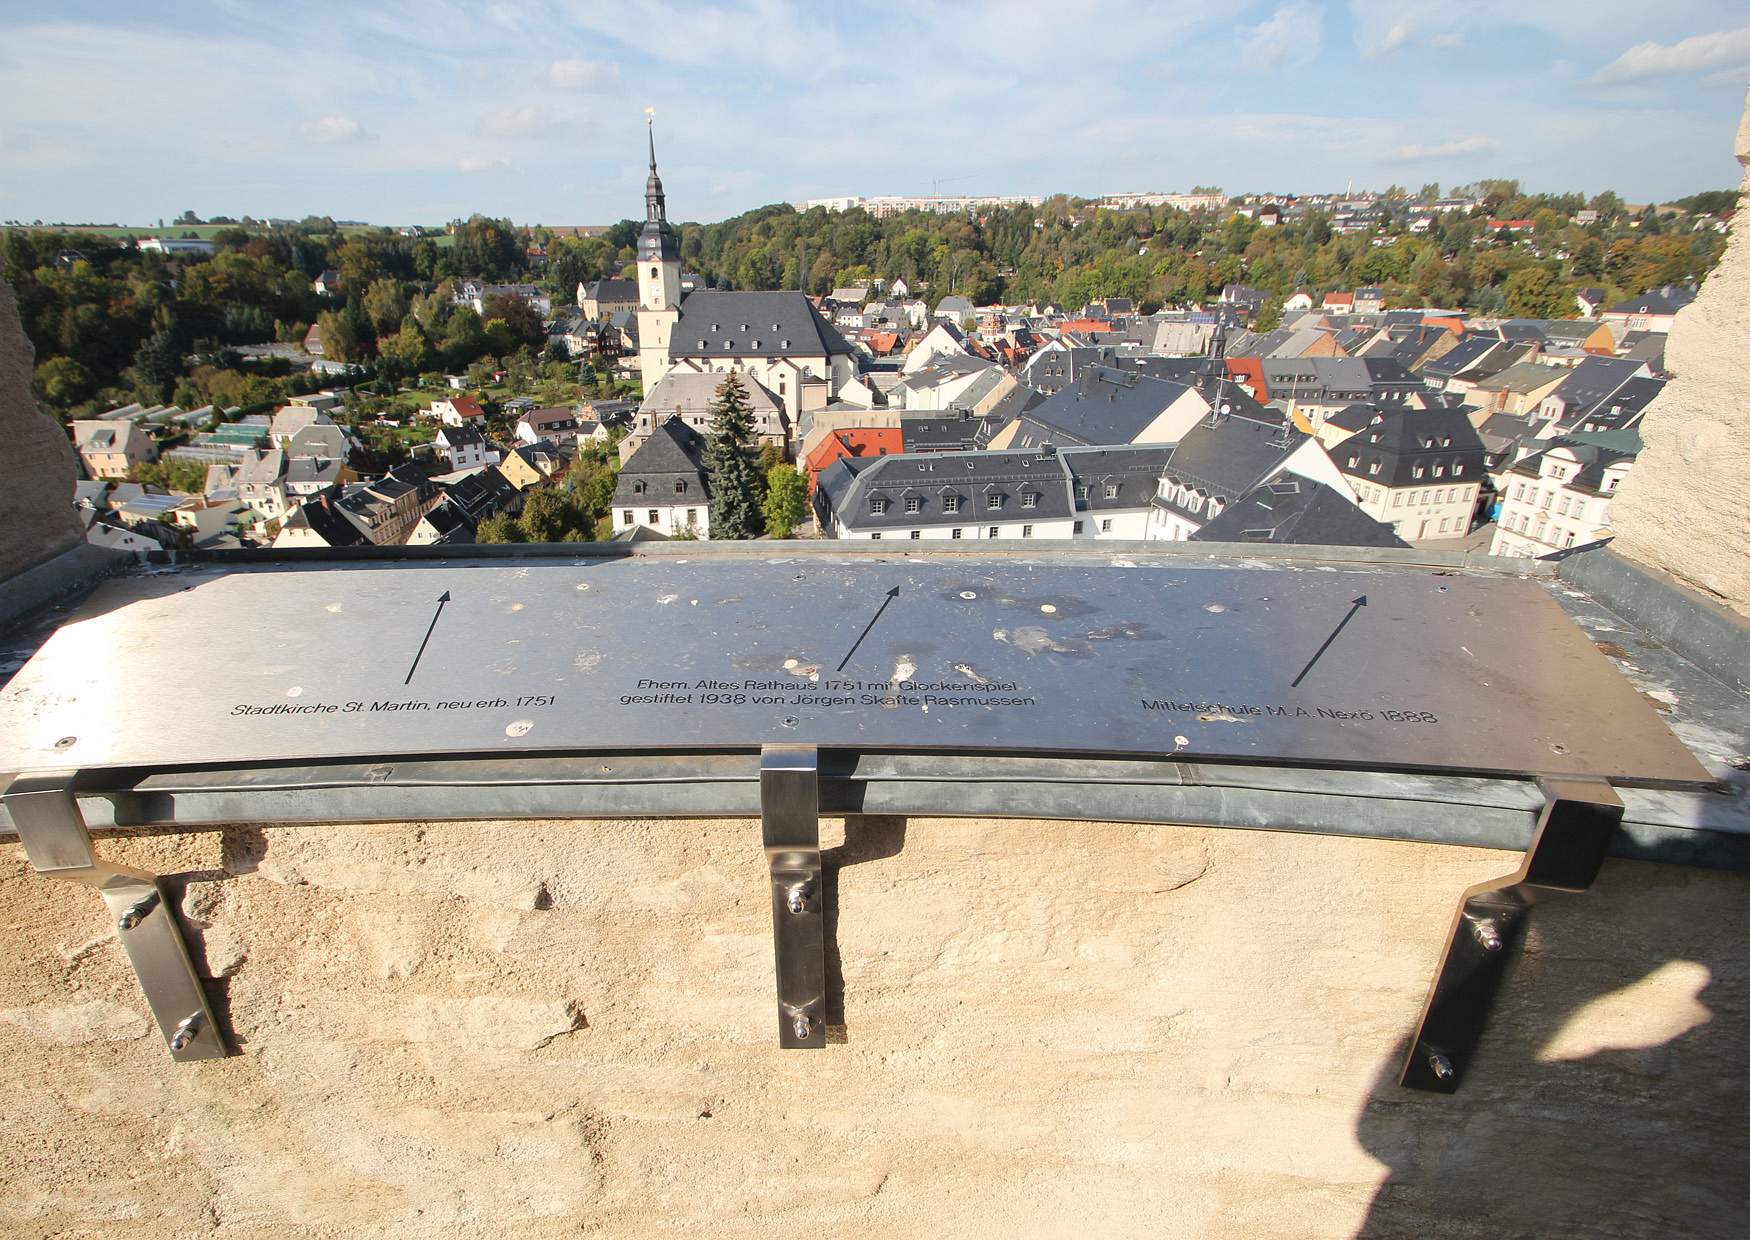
[(1534, 293), (499, 528), (157, 364), (1269, 316), (63, 382), (385, 305), (731, 464), (406, 352), (550, 516), (786, 500)]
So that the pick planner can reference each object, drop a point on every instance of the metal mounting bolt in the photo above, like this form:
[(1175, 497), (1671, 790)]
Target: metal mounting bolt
[(801, 1026), (184, 1033), (1441, 1066), (1488, 934), (795, 900), (135, 913)]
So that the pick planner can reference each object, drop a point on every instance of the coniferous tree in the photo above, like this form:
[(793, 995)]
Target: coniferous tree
[(732, 464)]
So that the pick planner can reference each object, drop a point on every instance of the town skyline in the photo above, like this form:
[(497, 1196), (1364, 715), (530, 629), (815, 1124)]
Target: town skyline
[(424, 112)]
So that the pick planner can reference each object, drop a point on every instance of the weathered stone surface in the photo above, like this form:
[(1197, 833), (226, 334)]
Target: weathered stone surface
[(1685, 506), (36, 502), (1048, 1030)]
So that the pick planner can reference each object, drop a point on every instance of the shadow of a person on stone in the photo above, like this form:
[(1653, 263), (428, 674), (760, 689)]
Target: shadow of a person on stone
[(1608, 1096)]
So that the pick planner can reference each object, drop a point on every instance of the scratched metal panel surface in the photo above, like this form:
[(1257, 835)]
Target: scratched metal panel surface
[(1432, 672)]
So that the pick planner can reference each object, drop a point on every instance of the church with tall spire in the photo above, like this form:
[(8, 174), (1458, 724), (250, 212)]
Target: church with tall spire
[(775, 339)]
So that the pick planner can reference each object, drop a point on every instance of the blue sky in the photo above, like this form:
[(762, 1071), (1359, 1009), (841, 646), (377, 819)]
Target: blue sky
[(401, 112)]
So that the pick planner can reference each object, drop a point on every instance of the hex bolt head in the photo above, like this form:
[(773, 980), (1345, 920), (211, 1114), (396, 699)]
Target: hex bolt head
[(795, 901), (801, 1027), (184, 1033), (1441, 1066)]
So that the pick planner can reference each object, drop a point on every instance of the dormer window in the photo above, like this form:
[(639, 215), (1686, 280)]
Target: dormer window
[(878, 505), (914, 504), (1373, 467), (1030, 500), (950, 503), (1417, 472), (993, 501), (680, 487)]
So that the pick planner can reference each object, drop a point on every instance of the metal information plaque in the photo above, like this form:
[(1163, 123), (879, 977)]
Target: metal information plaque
[(1394, 669)]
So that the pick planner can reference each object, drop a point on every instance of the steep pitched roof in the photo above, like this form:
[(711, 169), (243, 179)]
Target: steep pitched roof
[(1299, 511), (716, 323), (674, 452), (1104, 406), (1404, 447)]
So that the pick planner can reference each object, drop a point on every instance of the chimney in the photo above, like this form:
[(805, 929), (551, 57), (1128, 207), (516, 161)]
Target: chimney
[(1047, 449)]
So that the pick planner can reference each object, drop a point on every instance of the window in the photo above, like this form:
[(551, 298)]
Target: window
[(655, 516), (874, 538), (1111, 490), (1519, 490), (1105, 525), (680, 487), (1081, 490), (950, 503), (1026, 531), (630, 519), (1397, 499), (638, 488), (878, 505), (993, 501), (956, 533), (914, 504), (916, 534), (1457, 470), (692, 516), (993, 532), (1373, 467), (1077, 529), (1030, 500), (1568, 539), (1443, 525), (1416, 472), (1549, 499), (1440, 471), (1562, 508)]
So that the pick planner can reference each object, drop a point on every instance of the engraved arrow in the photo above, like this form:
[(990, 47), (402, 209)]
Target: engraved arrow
[(1354, 607), (444, 598), (891, 595)]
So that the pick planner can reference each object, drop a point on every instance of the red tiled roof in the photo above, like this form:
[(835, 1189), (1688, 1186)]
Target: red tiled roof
[(1250, 371), (1339, 299), (467, 406), (855, 441), (1085, 326)]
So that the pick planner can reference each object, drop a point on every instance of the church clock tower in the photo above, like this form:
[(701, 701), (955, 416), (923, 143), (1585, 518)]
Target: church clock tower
[(659, 279)]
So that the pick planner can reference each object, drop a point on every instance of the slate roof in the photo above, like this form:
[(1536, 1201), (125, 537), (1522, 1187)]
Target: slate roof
[(461, 437), (1105, 406), (1403, 447), (716, 323), (948, 432), (1596, 453), (611, 290), (674, 453), (1226, 457), (1594, 379), (1133, 470), (1461, 357), (1297, 510), (312, 471), (850, 487), (319, 514), (1620, 410), (1667, 300), (319, 439)]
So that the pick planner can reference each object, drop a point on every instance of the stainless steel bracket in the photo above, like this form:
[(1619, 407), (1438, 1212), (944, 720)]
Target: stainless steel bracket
[(790, 827), (1573, 832), (57, 844)]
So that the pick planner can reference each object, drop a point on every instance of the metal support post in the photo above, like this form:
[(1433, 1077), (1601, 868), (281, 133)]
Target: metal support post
[(55, 840), (1579, 817), (790, 826)]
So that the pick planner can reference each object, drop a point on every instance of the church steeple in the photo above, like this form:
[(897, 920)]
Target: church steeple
[(659, 246), (655, 204)]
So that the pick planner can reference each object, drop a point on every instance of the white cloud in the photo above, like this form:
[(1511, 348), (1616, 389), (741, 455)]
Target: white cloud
[(1721, 50), (1290, 35), (585, 76), (1417, 151), (529, 121), (483, 163), (337, 131)]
